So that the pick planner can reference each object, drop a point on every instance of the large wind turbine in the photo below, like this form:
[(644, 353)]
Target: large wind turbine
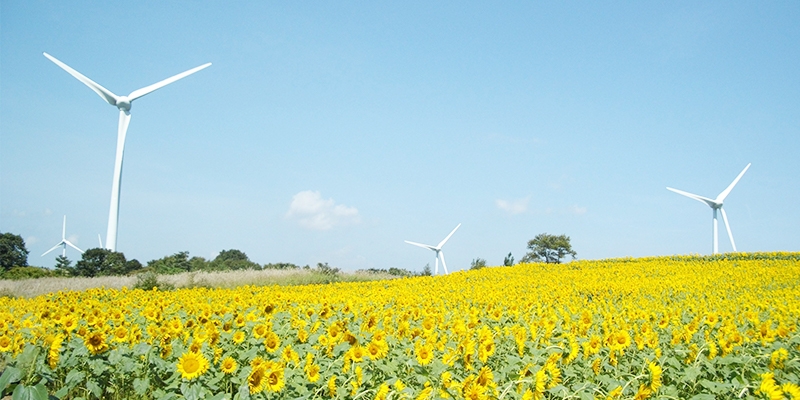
[(716, 204), (123, 103), (437, 249), (64, 242)]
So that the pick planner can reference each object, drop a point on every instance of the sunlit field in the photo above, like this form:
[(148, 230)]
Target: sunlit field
[(670, 327)]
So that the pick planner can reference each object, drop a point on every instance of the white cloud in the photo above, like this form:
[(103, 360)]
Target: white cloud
[(31, 240), (314, 213), (512, 207)]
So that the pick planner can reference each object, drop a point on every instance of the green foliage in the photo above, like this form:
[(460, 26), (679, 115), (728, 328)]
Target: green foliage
[(281, 266), (12, 251), (427, 270), (28, 272), (102, 262), (391, 271), (477, 263), (326, 269), (174, 264), (149, 279), (509, 260), (548, 248), (232, 260), (63, 266)]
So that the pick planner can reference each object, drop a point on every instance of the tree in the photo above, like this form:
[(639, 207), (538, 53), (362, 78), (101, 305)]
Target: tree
[(233, 259), (64, 265), (12, 251), (549, 248), (478, 263), (101, 262), (509, 260), (176, 263)]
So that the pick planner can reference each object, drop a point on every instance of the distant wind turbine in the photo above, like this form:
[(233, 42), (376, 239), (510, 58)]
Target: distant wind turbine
[(716, 204), (437, 249), (123, 103), (64, 242)]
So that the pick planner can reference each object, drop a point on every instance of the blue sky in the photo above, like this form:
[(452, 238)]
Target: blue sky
[(333, 131)]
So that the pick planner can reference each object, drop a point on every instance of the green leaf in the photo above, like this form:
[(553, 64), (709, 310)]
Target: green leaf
[(74, 377), (140, 386), (244, 392), (22, 392), (220, 396), (94, 388), (61, 393), (10, 375), (690, 374), (703, 396)]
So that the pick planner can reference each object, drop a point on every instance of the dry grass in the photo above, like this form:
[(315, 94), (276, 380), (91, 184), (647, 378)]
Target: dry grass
[(219, 279)]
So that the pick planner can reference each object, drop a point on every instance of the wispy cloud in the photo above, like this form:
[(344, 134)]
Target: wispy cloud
[(313, 212), (513, 207)]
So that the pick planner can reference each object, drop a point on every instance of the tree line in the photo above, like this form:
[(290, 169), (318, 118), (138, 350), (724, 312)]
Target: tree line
[(102, 262)]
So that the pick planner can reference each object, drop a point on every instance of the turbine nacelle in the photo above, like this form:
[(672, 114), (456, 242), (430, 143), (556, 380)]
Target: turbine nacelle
[(123, 103)]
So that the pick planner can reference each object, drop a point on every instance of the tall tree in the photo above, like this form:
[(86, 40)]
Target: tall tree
[(100, 262), (12, 251), (509, 260), (64, 266), (549, 248), (176, 263)]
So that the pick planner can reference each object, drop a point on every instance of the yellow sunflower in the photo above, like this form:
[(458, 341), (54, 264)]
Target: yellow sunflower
[(238, 337), (191, 365), (256, 379), (272, 342), (275, 380), (424, 354), (96, 342), (229, 365)]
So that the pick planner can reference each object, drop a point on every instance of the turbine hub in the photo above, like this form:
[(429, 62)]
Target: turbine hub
[(123, 103)]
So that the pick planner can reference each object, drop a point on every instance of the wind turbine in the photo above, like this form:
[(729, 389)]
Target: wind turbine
[(123, 103), (64, 242), (716, 204), (437, 249)]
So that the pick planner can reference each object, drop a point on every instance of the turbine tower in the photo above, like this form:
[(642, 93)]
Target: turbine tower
[(123, 103), (64, 242), (716, 204), (437, 249)]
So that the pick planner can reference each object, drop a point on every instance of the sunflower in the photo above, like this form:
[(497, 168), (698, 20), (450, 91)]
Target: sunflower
[(256, 379), (238, 337), (120, 334), (272, 342), (275, 379), (312, 372), (229, 365), (655, 376), (191, 365), (424, 354), (5, 343), (96, 342), (383, 391), (332, 386)]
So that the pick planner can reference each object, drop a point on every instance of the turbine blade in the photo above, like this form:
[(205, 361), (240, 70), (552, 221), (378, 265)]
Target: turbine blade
[(704, 200), (104, 93), (448, 237), (425, 246), (73, 246), (727, 190), (148, 89), (100, 240), (53, 248), (728, 227), (441, 254)]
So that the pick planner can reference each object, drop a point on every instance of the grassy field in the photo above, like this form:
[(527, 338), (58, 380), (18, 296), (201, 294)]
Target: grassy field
[(220, 279), (719, 327)]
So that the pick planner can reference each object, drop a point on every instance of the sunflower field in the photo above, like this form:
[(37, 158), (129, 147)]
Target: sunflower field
[(680, 327)]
